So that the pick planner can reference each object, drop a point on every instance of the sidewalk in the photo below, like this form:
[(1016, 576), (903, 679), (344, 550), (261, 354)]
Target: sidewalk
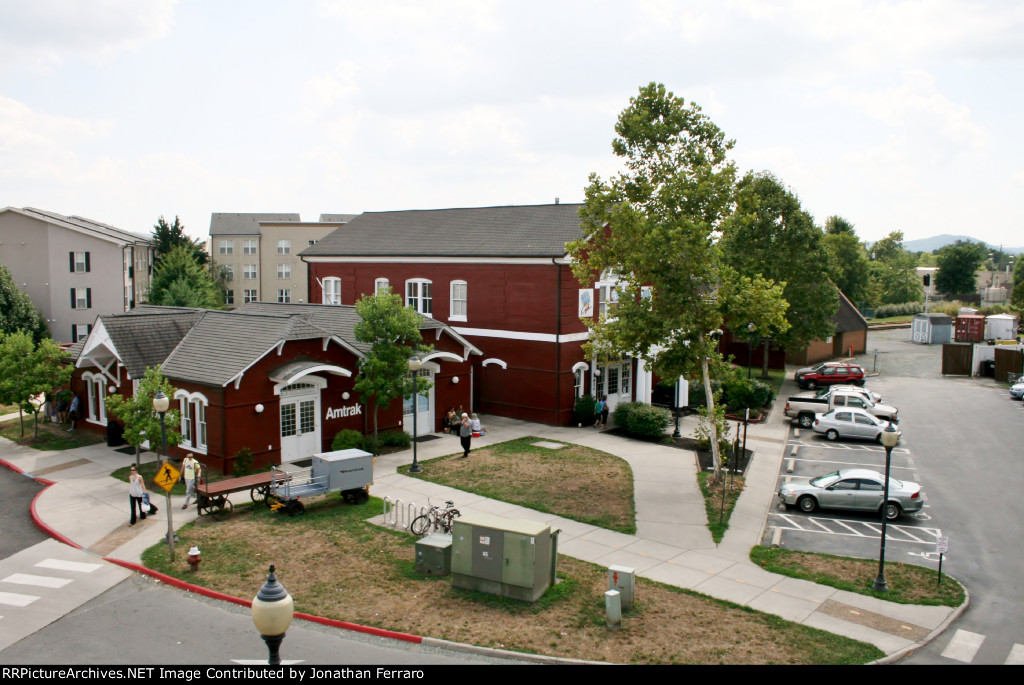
[(672, 543)]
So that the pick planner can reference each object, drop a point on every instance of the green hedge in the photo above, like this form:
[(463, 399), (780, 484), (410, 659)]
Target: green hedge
[(583, 410), (642, 420), (735, 393)]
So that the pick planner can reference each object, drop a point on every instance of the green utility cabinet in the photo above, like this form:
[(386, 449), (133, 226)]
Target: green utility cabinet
[(507, 557), (434, 554)]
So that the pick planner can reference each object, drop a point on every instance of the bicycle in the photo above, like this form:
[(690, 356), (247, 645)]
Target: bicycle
[(436, 518)]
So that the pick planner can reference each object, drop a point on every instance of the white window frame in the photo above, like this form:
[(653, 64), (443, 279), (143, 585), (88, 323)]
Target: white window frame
[(226, 247), (81, 266), (249, 272), (229, 296), (284, 295), (380, 285), (284, 247), (459, 306), (250, 247), (419, 295), (284, 271), (229, 272), (249, 296), (193, 420), (96, 389), (82, 331), (81, 298), (331, 290)]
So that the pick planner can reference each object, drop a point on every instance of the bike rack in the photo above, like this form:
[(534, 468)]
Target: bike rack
[(398, 516)]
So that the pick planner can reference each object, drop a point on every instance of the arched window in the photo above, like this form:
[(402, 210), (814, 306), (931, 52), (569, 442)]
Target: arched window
[(96, 387), (193, 419)]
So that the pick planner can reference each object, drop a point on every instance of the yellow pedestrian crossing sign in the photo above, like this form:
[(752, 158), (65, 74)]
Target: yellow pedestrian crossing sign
[(167, 476)]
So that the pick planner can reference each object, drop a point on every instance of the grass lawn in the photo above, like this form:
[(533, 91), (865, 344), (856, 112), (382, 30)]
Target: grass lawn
[(336, 564), (719, 510), (52, 436), (573, 481), (907, 584)]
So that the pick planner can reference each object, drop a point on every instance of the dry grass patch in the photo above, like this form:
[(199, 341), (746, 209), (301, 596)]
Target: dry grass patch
[(338, 565), (573, 481)]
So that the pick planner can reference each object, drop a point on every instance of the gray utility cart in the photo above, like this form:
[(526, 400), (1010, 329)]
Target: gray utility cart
[(349, 472)]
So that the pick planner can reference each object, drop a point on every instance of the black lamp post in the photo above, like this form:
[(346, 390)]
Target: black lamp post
[(414, 367), (272, 610), (751, 329), (161, 404), (889, 439)]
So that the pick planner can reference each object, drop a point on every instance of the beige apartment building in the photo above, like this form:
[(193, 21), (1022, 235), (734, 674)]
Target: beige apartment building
[(261, 254), (74, 269)]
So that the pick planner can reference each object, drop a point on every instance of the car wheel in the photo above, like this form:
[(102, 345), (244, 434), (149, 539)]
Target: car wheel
[(807, 504), (859, 383), (892, 511), (832, 434), (805, 420), (810, 385)]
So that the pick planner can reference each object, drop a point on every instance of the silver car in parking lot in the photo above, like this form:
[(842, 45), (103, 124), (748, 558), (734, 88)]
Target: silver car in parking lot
[(856, 489), (850, 422)]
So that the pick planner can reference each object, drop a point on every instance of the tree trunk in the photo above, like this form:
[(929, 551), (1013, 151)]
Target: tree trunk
[(716, 458), (764, 369)]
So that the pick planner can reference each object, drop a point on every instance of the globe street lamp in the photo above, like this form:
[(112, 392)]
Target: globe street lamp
[(751, 329), (161, 403), (414, 367), (272, 610), (889, 439)]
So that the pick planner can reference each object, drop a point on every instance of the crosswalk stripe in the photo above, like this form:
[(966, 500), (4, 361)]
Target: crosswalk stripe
[(16, 600), (62, 565), (963, 646), (1016, 657), (38, 581)]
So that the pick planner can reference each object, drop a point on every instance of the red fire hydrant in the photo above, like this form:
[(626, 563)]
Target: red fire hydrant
[(194, 558)]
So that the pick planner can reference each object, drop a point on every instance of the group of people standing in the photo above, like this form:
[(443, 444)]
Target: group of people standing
[(601, 412), (463, 425), (138, 495)]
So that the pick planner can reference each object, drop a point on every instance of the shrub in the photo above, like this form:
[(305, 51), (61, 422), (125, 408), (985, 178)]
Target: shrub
[(885, 311), (348, 439), (583, 410), (697, 396), (243, 462), (642, 420), (394, 438), (743, 393), (371, 445)]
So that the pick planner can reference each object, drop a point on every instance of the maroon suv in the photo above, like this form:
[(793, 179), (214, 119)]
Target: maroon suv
[(829, 373)]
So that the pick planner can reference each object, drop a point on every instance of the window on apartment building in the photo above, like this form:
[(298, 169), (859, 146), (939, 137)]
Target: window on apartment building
[(417, 296), (229, 297), (380, 285), (458, 304), (607, 298), (248, 247), (284, 247), (312, 243), (332, 291), (226, 247), (284, 295), (79, 262), (284, 270), (229, 272), (81, 298), (249, 272), (249, 296), (80, 331), (193, 419)]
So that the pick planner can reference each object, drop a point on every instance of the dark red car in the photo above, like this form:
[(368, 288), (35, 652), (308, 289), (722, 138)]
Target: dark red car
[(830, 373)]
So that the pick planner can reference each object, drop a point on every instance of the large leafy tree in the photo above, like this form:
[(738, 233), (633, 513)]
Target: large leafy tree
[(850, 259), (769, 234), (166, 237), (958, 264), (653, 227), (29, 369), (141, 422), (755, 307), (893, 276), (181, 281), (393, 333), (1017, 295), (17, 311)]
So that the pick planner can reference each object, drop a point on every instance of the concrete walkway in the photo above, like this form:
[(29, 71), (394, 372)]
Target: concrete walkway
[(672, 544)]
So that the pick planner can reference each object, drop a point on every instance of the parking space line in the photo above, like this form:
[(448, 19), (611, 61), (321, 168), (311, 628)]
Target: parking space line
[(1016, 657), (853, 464), (850, 528)]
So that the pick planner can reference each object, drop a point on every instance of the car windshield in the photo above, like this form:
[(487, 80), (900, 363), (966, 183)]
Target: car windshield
[(826, 480), (821, 393)]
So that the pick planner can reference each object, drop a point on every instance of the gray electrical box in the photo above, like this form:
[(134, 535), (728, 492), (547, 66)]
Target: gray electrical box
[(507, 557), (623, 580), (343, 469), (434, 554)]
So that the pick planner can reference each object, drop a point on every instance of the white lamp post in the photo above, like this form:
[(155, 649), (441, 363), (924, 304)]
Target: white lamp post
[(414, 366), (272, 610)]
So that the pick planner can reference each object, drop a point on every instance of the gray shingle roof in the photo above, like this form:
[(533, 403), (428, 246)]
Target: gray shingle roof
[(242, 223), (848, 318), (515, 231), (335, 218), (107, 230), (145, 339)]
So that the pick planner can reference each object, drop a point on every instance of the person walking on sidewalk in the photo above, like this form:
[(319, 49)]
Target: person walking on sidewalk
[(73, 413), (604, 412), (465, 434), (136, 490), (190, 471)]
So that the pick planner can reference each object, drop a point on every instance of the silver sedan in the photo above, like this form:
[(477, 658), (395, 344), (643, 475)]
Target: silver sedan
[(857, 489), (849, 422)]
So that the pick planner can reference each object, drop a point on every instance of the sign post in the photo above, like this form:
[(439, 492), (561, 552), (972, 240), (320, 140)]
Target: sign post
[(166, 477), (941, 546)]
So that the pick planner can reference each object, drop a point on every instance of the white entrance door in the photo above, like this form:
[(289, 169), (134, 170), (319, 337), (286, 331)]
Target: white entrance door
[(423, 422), (615, 383), (300, 421)]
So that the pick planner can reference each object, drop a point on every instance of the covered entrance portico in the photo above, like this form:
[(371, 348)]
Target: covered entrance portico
[(300, 389)]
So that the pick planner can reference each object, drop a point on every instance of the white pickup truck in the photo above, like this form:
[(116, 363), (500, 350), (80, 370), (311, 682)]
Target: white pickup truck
[(805, 405)]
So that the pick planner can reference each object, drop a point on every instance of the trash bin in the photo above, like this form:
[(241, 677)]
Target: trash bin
[(988, 368), (115, 434)]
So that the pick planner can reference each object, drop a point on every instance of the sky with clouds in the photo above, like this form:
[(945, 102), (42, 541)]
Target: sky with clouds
[(897, 115)]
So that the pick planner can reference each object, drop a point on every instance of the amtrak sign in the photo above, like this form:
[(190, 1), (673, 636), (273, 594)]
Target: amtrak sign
[(341, 412)]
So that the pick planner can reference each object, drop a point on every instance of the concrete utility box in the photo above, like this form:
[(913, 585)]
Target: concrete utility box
[(343, 469), (623, 580), (434, 554), (507, 557)]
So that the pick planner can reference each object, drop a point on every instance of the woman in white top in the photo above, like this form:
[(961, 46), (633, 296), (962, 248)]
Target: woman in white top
[(474, 423), (136, 489)]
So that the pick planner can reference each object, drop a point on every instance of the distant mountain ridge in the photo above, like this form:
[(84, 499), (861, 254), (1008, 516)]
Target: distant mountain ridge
[(935, 242)]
